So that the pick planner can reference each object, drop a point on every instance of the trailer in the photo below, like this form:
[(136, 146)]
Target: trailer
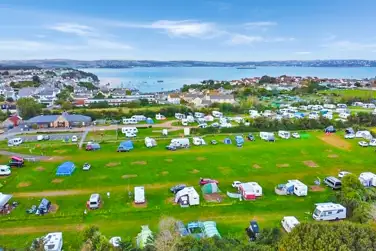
[(150, 142), (284, 134), (329, 211), (129, 121), (198, 141), (250, 190), (289, 223)]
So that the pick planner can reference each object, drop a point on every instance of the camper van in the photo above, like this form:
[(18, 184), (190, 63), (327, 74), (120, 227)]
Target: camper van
[(53, 241), (329, 211), (150, 142), (15, 142), (217, 114), (160, 117), (5, 170), (198, 141), (130, 121), (129, 130), (139, 195), (289, 222), (94, 201), (199, 115), (139, 118), (284, 134)]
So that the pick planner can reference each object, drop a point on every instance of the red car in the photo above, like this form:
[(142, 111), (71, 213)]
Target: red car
[(207, 181)]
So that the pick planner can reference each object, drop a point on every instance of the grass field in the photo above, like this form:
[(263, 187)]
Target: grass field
[(353, 93), (268, 164)]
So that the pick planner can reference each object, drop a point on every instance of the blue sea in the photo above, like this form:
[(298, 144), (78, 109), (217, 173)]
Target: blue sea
[(171, 78)]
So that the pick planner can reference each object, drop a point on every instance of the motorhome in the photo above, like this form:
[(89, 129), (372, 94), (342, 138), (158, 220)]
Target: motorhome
[(333, 182), (53, 241), (199, 115), (150, 142), (198, 141), (180, 142), (187, 197), (5, 170), (160, 117), (139, 195), (179, 116), (268, 136), (367, 179), (341, 105), (329, 211), (363, 134), (94, 201), (329, 106), (289, 223), (217, 114), (129, 130), (15, 142), (129, 121), (284, 134), (139, 118)]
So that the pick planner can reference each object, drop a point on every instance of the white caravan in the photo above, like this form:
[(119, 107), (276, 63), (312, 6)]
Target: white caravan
[(139, 195), (159, 117), (139, 118), (284, 134), (289, 222), (342, 110), (217, 114), (198, 141), (329, 211), (254, 114), (367, 179), (209, 118), (53, 241), (164, 132), (363, 134), (180, 142), (328, 115), (15, 142), (187, 197), (300, 189), (150, 142), (184, 122), (190, 119), (5, 170), (187, 131), (266, 135), (341, 105), (329, 106), (129, 121), (179, 116), (128, 130), (199, 115), (344, 115)]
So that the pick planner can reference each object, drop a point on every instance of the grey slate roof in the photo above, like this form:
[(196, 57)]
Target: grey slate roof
[(52, 118), (26, 92)]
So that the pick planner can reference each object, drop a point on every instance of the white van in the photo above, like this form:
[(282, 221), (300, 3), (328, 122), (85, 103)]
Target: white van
[(329, 211), (130, 121), (74, 138), (129, 130), (15, 142), (94, 201), (289, 222), (284, 134), (5, 170)]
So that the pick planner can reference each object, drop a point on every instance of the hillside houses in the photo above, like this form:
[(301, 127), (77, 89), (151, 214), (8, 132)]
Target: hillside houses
[(201, 100)]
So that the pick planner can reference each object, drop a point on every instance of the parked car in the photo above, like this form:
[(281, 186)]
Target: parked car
[(250, 137), (363, 143), (204, 181), (236, 184), (295, 135), (86, 167), (74, 138), (343, 174), (213, 142), (177, 188), (333, 182), (350, 136), (46, 137), (16, 162)]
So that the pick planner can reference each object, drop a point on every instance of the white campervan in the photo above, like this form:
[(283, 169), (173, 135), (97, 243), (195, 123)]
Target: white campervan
[(139, 118), (94, 201), (53, 241), (217, 114), (128, 130), (5, 170), (160, 117), (179, 116), (15, 142), (129, 121), (289, 222), (329, 211), (284, 134)]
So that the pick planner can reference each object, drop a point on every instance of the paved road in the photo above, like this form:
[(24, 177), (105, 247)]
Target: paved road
[(60, 136), (25, 156)]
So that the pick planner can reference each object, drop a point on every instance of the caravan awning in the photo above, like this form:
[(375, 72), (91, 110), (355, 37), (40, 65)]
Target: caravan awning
[(4, 199)]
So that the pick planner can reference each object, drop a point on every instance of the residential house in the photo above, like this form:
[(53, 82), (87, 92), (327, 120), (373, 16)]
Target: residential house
[(27, 92), (173, 98), (47, 96)]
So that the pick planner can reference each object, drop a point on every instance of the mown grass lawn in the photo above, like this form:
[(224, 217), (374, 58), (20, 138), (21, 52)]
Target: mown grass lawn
[(157, 169), (353, 93)]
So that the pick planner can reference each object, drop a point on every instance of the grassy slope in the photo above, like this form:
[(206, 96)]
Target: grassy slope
[(164, 169), (353, 93)]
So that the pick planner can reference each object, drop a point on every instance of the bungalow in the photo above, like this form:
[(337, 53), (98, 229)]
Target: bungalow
[(58, 121)]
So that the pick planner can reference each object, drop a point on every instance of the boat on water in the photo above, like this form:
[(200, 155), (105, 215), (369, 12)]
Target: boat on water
[(246, 67)]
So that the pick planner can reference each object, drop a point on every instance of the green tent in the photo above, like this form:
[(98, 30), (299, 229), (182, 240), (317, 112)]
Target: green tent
[(210, 188)]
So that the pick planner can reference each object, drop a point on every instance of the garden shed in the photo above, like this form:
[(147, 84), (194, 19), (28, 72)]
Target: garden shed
[(65, 169)]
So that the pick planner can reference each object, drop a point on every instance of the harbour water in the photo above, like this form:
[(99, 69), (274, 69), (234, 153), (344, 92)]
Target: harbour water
[(171, 78)]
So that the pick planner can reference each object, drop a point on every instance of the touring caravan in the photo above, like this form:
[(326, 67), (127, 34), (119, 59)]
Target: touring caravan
[(363, 134), (217, 114), (139, 118), (268, 136), (129, 130), (129, 121), (190, 119), (341, 105), (180, 142), (284, 134), (150, 142), (254, 114), (329, 211), (187, 197), (198, 141), (250, 190), (289, 223), (15, 142), (53, 241), (179, 116), (199, 115), (160, 117), (367, 179), (5, 170), (139, 195), (292, 187)]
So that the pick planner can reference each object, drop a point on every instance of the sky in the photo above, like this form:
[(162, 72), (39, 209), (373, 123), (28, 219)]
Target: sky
[(207, 30)]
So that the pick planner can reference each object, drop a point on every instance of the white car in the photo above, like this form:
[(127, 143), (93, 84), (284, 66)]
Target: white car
[(74, 138), (236, 184), (350, 136), (372, 142), (363, 143), (343, 174), (295, 135)]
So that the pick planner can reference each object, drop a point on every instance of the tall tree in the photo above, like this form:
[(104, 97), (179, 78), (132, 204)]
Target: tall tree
[(28, 107)]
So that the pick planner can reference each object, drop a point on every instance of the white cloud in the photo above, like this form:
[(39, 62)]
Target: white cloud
[(238, 39), (281, 39), (73, 28), (303, 52), (260, 24), (345, 45)]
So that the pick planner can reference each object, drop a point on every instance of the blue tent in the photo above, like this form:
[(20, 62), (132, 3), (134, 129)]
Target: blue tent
[(125, 146), (149, 121), (227, 141), (65, 169)]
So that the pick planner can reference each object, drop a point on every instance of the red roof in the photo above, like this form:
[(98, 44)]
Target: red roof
[(14, 119)]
